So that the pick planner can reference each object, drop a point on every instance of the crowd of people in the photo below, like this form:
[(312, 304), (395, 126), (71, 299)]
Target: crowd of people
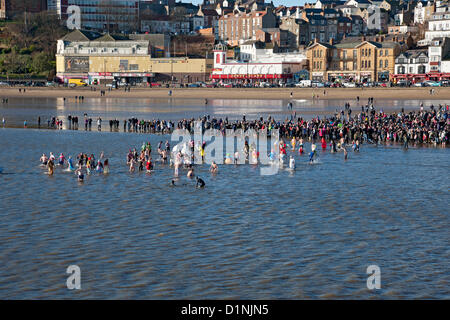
[(426, 126), (84, 164)]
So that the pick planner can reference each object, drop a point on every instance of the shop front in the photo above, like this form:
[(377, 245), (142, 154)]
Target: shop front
[(65, 77), (341, 77), (133, 78), (98, 78), (247, 77), (365, 77), (383, 76), (317, 76)]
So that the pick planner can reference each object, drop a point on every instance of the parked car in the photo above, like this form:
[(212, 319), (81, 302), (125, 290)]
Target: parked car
[(201, 84), (304, 83), (403, 83), (430, 83), (317, 84), (349, 84), (193, 85), (156, 84)]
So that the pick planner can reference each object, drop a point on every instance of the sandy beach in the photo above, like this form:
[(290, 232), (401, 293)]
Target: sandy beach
[(236, 93)]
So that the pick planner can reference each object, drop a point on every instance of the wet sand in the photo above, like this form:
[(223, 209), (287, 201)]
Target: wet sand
[(237, 93)]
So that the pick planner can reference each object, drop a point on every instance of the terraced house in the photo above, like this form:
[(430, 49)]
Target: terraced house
[(235, 28), (362, 61)]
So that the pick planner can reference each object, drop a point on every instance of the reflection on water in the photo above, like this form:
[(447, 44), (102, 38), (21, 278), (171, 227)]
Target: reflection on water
[(20, 109), (307, 234)]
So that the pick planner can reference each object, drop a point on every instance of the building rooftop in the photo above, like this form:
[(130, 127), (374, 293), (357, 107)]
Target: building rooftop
[(81, 35)]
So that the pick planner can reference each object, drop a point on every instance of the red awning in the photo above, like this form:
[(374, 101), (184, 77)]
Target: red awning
[(251, 76)]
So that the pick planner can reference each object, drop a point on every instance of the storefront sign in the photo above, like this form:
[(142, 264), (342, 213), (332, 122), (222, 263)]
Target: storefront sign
[(251, 76)]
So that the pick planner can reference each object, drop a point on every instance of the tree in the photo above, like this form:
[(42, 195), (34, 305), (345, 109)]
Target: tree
[(42, 62)]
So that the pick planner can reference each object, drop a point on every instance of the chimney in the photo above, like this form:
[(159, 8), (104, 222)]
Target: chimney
[(364, 38), (315, 40), (331, 41)]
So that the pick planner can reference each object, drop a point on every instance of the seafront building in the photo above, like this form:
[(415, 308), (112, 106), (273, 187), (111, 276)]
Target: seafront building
[(329, 40), (101, 59), (362, 61), (267, 67)]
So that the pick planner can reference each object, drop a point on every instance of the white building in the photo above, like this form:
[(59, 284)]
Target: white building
[(422, 11), (438, 27), (412, 62), (362, 4), (437, 51), (104, 45), (256, 51), (269, 68)]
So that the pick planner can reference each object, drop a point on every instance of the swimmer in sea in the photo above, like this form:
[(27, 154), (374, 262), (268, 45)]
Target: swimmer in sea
[(292, 163), (62, 159), (106, 167), (70, 162), (313, 152), (200, 183), (44, 159), (149, 165), (50, 166), (80, 175), (190, 173), (345, 154), (99, 167), (300, 149), (132, 162), (213, 167)]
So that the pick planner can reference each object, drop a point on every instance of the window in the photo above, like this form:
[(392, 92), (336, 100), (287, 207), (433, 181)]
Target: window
[(362, 52), (410, 69), (381, 53), (368, 64), (369, 52), (381, 63), (386, 63), (134, 67)]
